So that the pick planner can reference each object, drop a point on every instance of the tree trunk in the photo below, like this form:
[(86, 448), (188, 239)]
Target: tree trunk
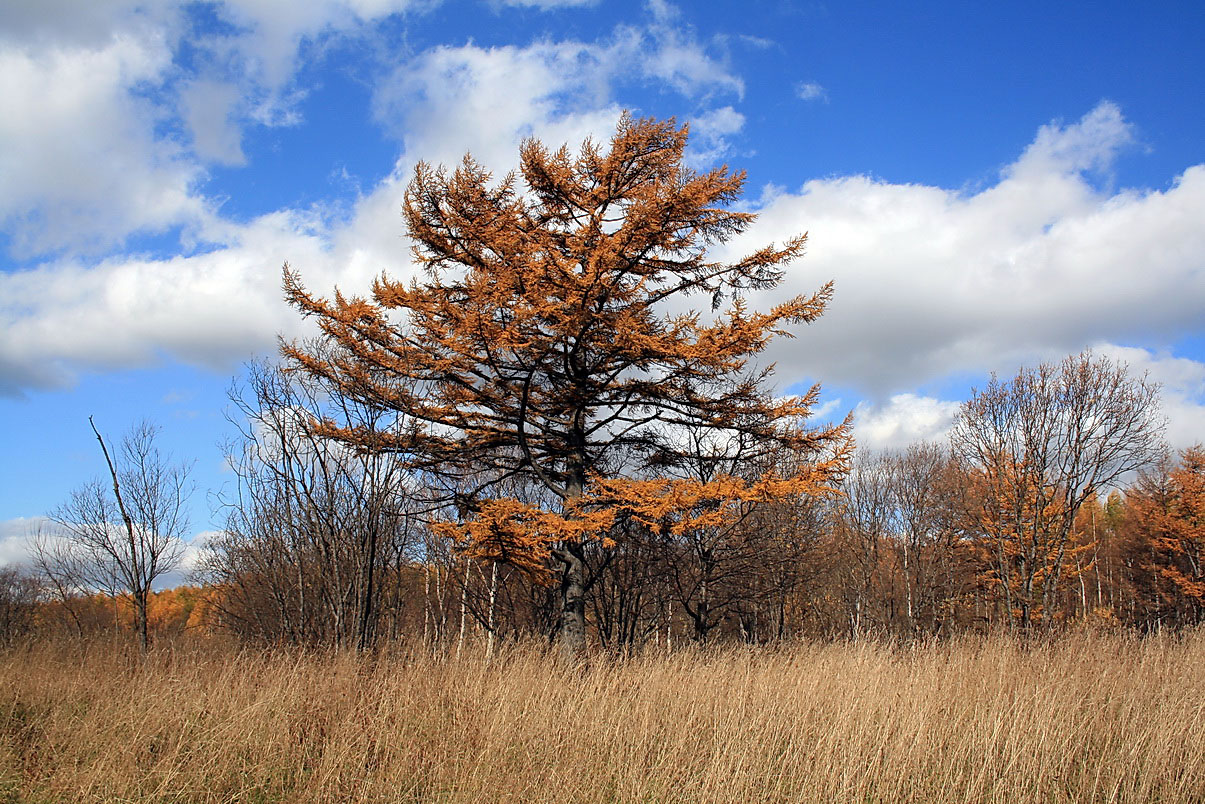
[(464, 607), (489, 645), (427, 600), (367, 625), (573, 602), (140, 618), (136, 570)]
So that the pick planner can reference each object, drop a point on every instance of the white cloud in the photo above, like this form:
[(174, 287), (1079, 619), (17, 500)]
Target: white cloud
[(212, 309), (16, 539), (209, 108), (674, 55), (94, 95), (215, 308), (810, 90), (70, 23), (271, 34), (1182, 392), (81, 163), (931, 282), (96, 99), (1092, 143), (190, 562), (485, 100), (907, 418), (904, 419), (709, 133)]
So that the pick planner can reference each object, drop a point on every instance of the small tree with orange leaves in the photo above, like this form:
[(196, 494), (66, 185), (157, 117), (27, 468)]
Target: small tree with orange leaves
[(1166, 514), (540, 347)]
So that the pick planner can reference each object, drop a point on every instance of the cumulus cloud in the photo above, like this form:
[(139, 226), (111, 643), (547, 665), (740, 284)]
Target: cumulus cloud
[(269, 35), (96, 95), (450, 99), (932, 282), (209, 109), (190, 561), (109, 132), (81, 163), (902, 420), (485, 100), (16, 538), (71, 24), (1182, 389), (210, 309), (216, 307), (906, 418)]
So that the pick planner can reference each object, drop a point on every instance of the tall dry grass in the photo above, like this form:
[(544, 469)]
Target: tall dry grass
[(1085, 718)]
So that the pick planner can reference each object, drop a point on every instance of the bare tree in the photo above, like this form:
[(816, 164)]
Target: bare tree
[(120, 536), (314, 530), (1039, 446), (922, 493), (863, 523)]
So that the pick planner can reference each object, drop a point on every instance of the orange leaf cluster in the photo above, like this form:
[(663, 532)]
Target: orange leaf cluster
[(520, 534), (680, 506), (1171, 516)]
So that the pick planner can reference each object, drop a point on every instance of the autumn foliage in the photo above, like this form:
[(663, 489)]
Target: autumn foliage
[(1166, 515), (539, 345)]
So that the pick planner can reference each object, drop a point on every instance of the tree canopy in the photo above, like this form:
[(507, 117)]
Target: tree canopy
[(540, 344)]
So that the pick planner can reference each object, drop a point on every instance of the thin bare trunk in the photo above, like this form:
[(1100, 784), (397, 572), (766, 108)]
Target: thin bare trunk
[(137, 571), (464, 606), (491, 623)]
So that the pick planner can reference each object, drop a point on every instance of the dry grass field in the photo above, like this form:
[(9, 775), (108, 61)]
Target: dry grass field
[(1081, 719)]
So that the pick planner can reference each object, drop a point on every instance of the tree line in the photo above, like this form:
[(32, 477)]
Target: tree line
[(538, 437)]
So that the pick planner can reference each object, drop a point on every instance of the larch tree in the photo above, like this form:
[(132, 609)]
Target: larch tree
[(1166, 511), (540, 346)]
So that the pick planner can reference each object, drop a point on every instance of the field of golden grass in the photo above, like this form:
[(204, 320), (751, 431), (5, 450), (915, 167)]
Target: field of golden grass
[(1079, 719)]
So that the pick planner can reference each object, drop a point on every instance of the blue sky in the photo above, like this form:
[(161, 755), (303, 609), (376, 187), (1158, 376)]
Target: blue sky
[(990, 185)]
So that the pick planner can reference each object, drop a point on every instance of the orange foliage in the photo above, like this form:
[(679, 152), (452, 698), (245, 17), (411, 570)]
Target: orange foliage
[(1168, 512), (520, 534), (1018, 512), (540, 345), (169, 611), (680, 506)]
